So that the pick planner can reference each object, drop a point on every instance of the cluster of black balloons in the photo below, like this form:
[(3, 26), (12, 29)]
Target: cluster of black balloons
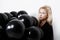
[(19, 26)]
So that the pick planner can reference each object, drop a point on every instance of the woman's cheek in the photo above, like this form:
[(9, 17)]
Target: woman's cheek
[(39, 16), (45, 16)]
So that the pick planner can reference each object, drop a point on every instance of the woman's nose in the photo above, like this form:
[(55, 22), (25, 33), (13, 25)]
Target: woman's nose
[(40, 14)]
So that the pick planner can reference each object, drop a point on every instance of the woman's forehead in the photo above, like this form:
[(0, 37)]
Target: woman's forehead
[(42, 10)]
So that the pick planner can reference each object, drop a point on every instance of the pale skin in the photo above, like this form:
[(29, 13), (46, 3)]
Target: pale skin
[(42, 16)]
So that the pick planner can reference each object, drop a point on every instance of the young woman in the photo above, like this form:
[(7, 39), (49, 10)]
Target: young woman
[(45, 22)]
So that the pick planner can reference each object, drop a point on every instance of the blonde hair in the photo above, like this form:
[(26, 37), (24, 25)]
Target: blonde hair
[(49, 12)]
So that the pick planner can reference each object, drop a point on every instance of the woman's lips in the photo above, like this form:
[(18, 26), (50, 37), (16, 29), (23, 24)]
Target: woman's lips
[(40, 17)]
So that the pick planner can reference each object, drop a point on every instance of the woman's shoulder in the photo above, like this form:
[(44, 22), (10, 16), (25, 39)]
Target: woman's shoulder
[(48, 26)]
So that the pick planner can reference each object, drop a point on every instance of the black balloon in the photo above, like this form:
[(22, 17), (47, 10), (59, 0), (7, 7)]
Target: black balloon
[(14, 13), (33, 33), (21, 12), (26, 19), (15, 29)]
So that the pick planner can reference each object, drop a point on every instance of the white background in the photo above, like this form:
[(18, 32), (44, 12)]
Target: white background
[(32, 6)]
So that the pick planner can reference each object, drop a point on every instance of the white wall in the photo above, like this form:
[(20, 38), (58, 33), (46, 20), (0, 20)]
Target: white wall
[(32, 6)]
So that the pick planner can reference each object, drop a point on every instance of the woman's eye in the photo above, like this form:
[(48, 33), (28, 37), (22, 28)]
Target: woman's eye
[(43, 13)]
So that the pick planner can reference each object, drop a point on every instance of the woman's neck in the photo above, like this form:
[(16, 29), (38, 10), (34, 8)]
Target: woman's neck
[(42, 23)]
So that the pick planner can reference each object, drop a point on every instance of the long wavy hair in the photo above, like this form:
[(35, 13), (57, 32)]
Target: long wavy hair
[(49, 12)]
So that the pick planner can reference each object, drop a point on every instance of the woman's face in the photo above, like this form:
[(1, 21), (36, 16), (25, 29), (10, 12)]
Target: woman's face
[(42, 14)]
